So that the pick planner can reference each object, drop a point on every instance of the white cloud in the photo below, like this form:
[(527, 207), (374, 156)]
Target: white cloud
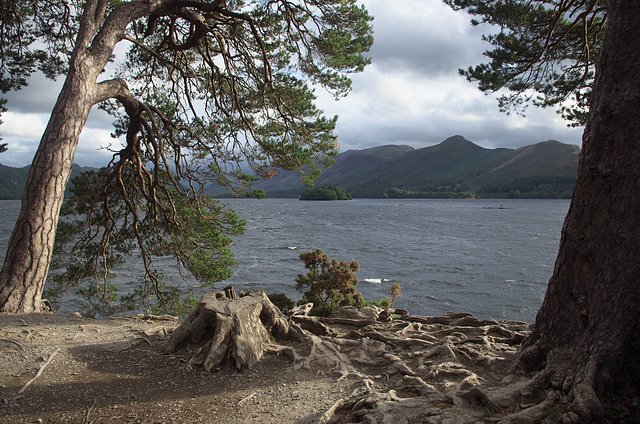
[(25, 125), (93, 148), (423, 37)]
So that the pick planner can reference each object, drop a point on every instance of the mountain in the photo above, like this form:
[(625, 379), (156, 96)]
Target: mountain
[(13, 180), (548, 157), (352, 165), (454, 168), (454, 160)]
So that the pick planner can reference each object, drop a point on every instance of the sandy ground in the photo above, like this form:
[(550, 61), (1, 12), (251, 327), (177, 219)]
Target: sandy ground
[(68, 369), (112, 371)]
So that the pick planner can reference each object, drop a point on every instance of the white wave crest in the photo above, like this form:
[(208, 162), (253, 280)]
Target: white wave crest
[(375, 280)]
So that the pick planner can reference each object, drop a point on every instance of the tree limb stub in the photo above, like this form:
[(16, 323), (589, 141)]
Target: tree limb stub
[(233, 330)]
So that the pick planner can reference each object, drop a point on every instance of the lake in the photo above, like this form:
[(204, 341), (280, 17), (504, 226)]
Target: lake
[(490, 258)]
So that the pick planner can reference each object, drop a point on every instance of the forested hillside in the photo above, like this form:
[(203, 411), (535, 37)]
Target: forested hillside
[(455, 168), (12, 181)]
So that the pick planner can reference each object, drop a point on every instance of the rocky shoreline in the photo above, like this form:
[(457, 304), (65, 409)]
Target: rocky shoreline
[(449, 369)]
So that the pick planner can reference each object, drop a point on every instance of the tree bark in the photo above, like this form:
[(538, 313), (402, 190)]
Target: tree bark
[(586, 335), (26, 264), (30, 247)]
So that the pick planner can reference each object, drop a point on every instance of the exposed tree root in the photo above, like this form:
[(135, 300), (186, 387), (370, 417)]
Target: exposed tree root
[(572, 379), (39, 373), (453, 368)]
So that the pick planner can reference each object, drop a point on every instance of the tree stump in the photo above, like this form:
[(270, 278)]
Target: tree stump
[(232, 330)]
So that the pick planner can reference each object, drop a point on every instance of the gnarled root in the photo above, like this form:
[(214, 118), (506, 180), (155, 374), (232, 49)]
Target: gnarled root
[(437, 369), (429, 368), (571, 376)]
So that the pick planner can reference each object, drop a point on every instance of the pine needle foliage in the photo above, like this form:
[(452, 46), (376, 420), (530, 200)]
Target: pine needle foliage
[(329, 283), (100, 234), (543, 52)]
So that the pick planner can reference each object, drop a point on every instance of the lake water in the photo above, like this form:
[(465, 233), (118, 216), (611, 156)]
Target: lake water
[(490, 258)]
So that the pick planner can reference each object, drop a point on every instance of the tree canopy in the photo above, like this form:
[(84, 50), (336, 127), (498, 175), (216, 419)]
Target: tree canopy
[(543, 52), (203, 92)]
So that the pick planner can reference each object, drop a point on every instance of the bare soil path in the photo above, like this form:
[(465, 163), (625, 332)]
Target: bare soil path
[(113, 371)]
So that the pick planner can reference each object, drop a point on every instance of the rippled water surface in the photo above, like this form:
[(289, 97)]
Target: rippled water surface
[(491, 258)]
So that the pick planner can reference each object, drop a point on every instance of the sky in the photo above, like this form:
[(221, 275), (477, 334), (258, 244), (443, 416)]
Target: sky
[(411, 94)]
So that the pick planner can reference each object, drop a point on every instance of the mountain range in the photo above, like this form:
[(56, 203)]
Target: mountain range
[(455, 168)]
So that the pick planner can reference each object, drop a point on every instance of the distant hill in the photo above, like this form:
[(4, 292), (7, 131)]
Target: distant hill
[(13, 180), (351, 165), (454, 168)]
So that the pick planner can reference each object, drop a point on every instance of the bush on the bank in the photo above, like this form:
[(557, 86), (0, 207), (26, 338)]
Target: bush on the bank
[(330, 284)]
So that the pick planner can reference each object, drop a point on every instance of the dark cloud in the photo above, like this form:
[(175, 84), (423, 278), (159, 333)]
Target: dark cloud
[(38, 97)]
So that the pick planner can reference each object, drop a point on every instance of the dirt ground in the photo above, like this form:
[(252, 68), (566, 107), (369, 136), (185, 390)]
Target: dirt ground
[(113, 371), (68, 369)]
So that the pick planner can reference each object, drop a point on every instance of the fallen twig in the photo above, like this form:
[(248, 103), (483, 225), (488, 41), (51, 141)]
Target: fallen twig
[(14, 342), (246, 398), (42, 367)]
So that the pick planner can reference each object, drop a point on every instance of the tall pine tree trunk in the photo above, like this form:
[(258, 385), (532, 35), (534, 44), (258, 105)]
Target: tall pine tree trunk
[(30, 248), (587, 333)]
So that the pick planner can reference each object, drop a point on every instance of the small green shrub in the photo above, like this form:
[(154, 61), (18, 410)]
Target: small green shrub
[(329, 283), (395, 291), (281, 300), (383, 303)]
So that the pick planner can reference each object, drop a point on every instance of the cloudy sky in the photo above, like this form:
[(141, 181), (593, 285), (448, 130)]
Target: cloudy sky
[(411, 94)]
